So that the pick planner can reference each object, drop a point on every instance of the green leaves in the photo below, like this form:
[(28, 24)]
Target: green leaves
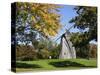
[(86, 18)]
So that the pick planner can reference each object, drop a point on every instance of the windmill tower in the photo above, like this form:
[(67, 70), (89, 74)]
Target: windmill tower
[(67, 49)]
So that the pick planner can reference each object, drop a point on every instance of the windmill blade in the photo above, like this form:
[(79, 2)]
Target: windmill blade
[(65, 32), (71, 27), (58, 38)]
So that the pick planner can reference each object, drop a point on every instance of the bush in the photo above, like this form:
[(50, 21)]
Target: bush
[(90, 52), (43, 54), (25, 52), (93, 51), (55, 51)]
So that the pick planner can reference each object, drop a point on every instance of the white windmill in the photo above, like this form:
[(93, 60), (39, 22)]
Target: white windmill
[(67, 49)]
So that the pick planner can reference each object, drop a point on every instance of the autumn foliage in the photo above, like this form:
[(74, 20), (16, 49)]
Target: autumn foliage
[(43, 18)]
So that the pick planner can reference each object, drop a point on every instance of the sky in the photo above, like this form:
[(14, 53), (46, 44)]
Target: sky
[(67, 12)]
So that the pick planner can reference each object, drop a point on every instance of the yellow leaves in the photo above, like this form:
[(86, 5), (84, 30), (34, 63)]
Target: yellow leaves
[(33, 8), (44, 17), (52, 33), (37, 27), (33, 19)]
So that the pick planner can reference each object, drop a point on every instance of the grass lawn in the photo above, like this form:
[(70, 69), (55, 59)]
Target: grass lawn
[(55, 64)]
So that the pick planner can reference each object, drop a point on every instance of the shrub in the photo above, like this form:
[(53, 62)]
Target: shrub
[(43, 54), (93, 51), (25, 52)]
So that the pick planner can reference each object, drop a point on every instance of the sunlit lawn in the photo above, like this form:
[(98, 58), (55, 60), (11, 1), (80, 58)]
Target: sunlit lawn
[(55, 64)]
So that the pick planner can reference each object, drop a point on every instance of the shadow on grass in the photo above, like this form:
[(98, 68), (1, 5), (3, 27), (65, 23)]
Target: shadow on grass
[(67, 64), (26, 65)]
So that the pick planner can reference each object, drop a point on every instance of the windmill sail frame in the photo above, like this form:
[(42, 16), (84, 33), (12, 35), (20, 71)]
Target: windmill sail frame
[(67, 49)]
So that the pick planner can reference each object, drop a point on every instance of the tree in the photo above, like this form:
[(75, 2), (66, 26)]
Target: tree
[(41, 17), (86, 21), (80, 41), (43, 54), (25, 53), (55, 51), (93, 50)]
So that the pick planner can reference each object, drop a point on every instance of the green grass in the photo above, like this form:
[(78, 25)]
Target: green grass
[(55, 64)]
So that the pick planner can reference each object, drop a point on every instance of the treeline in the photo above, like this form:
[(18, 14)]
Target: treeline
[(41, 51), (90, 52), (28, 52)]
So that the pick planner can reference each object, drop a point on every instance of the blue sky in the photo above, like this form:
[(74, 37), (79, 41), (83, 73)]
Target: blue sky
[(67, 12)]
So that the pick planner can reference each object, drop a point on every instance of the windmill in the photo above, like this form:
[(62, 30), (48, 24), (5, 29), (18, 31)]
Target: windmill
[(67, 48)]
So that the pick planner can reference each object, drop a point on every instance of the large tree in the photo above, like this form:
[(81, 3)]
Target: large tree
[(86, 22), (86, 19), (41, 17), (34, 24)]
